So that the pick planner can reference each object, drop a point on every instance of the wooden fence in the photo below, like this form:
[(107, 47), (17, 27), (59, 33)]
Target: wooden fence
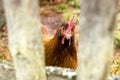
[(96, 19)]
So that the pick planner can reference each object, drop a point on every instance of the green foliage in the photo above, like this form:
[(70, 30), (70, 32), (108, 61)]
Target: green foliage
[(117, 38), (118, 63), (75, 3), (67, 15), (61, 7)]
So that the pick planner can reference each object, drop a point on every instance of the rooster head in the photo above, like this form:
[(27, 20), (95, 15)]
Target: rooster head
[(66, 32)]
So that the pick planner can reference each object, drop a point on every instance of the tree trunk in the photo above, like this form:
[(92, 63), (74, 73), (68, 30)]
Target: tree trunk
[(96, 38), (25, 39)]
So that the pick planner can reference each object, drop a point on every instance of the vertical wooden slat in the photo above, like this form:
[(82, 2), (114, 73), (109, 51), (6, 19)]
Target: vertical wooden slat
[(25, 39), (96, 38)]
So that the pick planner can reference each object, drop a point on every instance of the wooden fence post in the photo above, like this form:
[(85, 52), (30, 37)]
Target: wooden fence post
[(97, 19), (25, 39)]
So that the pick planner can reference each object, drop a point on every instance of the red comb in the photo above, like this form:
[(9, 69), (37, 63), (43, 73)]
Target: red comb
[(70, 25), (68, 30)]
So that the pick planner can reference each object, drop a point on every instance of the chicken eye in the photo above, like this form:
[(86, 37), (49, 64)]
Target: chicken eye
[(62, 28)]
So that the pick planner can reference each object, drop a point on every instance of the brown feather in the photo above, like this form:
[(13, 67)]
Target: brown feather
[(59, 55)]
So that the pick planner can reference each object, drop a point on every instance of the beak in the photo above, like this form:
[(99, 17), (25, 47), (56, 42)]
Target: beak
[(68, 36)]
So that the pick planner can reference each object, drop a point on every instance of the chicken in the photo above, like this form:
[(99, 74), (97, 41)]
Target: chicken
[(61, 50)]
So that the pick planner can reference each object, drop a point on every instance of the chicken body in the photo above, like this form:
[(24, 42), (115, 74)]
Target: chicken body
[(61, 54)]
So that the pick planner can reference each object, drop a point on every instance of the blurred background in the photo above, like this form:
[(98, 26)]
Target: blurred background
[(53, 13)]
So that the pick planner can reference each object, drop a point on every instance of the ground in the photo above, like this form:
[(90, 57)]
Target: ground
[(52, 21)]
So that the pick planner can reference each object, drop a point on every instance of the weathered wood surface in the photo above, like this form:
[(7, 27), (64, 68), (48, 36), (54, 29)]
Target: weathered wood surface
[(25, 39), (97, 19)]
